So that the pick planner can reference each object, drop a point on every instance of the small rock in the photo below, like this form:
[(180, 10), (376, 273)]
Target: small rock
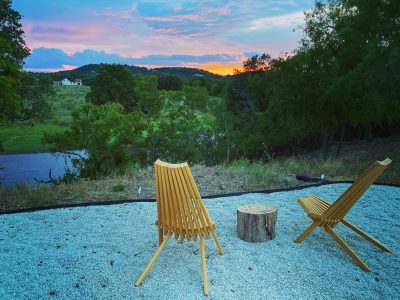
[(103, 283)]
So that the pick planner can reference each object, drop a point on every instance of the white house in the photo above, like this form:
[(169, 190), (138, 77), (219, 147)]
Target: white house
[(66, 81)]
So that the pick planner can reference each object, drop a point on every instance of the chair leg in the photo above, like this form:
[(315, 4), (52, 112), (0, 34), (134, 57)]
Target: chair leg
[(203, 264), (221, 252), (366, 236), (153, 260), (307, 232), (347, 248), (160, 236)]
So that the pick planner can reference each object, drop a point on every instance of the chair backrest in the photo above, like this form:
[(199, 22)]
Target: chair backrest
[(346, 201), (180, 208)]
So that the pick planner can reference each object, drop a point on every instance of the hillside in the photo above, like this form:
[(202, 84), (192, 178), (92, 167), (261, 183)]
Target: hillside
[(88, 72)]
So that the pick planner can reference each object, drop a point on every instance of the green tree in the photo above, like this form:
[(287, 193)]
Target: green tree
[(13, 51), (106, 132), (11, 32), (35, 93), (196, 97), (114, 83), (257, 63), (351, 45), (169, 83), (9, 82), (149, 100), (150, 105)]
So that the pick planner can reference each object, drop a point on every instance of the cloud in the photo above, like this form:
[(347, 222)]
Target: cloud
[(50, 58), (150, 31), (52, 30), (293, 19)]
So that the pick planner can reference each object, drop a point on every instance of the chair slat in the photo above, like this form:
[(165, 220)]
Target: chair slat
[(167, 210), (182, 216), (347, 200), (200, 216), (197, 213), (186, 210), (194, 225), (196, 197), (159, 190)]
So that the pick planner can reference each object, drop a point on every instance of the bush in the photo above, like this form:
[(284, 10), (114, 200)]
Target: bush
[(118, 188)]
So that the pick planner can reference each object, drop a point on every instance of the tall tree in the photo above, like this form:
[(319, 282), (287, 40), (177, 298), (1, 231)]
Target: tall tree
[(13, 51), (35, 92), (114, 83)]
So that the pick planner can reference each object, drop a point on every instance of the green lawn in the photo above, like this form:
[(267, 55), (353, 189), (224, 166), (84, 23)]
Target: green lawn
[(65, 100), (25, 139), (16, 139)]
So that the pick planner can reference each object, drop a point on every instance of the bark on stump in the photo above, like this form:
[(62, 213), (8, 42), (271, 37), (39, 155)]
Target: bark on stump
[(256, 223)]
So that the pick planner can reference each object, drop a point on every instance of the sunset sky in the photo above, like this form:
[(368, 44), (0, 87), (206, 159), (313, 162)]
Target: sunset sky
[(213, 35)]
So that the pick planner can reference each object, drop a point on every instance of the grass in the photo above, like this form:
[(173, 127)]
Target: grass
[(66, 100), (25, 139), (242, 175)]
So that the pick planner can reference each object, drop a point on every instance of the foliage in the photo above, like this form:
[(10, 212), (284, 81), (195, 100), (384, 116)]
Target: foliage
[(149, 100), (169, 83), (257, 63), (341, 83), (11, 33), (341, 79), (118, 188), (12, 53), (35, 96), (114, 83), (105, 131), (9, 82), (65, 100)]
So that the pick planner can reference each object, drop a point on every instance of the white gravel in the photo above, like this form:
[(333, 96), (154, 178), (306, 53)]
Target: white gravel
[(98, 252)]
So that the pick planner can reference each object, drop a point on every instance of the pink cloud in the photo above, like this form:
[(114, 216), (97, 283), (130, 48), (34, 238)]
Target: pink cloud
[(68, 67), (52, 70)]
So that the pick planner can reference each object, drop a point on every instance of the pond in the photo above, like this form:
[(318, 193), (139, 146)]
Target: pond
[(25, 167)]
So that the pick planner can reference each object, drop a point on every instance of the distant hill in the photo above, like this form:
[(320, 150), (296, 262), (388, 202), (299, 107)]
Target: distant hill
[(88, 72), (185, 72)]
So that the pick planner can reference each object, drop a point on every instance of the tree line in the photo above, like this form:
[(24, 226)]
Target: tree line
[(341, 83)]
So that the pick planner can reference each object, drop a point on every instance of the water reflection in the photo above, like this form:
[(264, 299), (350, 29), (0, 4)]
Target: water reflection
[(24, 167)]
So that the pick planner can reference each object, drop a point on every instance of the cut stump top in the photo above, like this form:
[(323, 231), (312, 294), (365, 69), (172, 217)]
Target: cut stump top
[(257, 209)]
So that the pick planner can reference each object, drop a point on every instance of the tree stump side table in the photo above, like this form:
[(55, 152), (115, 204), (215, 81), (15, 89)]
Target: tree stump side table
[(256, 223)]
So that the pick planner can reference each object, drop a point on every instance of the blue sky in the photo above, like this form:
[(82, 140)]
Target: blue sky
[(215, 35)]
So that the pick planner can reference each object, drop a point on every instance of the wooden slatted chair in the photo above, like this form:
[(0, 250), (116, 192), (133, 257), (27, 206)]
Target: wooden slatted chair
[(327, 215), (181, 212)]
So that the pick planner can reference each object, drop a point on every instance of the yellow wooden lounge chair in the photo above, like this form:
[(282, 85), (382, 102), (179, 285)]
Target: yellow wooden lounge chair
[(180, 211), (328, 215)]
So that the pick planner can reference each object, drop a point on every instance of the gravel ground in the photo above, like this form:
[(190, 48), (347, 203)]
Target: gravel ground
[(98, 252)]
